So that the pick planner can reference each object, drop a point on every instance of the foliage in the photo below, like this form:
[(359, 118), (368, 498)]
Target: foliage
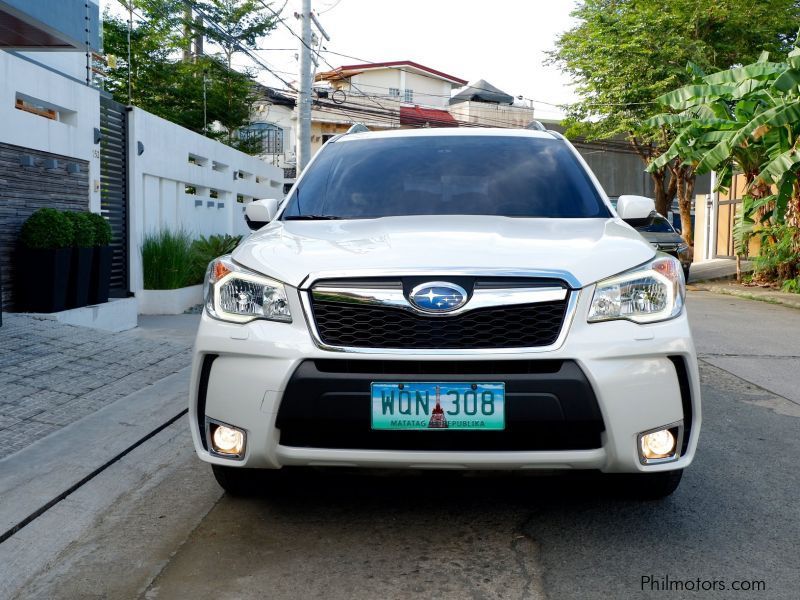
[(102, 230), (238, 23), (166, 81), (779, 256), (82, 229), (623, 54), (206, 249), (166, 260), (791, 285), (747, 120), (46, 229)]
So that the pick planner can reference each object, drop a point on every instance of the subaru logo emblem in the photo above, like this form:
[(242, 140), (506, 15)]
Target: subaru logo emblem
[(438, 296)]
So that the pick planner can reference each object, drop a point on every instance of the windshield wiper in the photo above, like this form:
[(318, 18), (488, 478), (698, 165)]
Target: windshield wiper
[(311, 218)]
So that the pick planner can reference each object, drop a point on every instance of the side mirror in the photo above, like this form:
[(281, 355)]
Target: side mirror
[(635, 207), (260, 212)]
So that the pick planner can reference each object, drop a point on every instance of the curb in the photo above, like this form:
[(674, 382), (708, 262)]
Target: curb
[(762, 295)]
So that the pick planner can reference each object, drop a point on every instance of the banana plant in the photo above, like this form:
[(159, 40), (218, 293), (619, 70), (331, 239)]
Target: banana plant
[(743, 120)]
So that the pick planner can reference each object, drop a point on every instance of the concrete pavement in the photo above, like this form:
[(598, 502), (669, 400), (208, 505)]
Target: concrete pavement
[(54, 374), (155, 525), (717, 268)]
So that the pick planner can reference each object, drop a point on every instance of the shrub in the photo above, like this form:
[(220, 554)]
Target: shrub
[(167, 260), (791, 285), (47, 228), (206, 249), (102, 229), (82, 229), (778, 258)]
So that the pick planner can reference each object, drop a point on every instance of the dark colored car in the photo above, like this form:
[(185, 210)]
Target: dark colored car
[(662, 235)]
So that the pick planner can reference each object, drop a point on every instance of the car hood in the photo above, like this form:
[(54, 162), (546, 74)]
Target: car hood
[(586, 249)]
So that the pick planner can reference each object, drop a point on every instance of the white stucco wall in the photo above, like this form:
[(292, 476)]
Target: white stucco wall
[(160, 175), (498, 115), (72, 64), (429, 91), (78, 106)]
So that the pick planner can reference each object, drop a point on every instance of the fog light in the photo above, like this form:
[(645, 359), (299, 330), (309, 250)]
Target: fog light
[(226, 440), (659, 444)]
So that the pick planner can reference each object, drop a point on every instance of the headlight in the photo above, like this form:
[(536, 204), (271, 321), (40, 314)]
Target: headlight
[(233, 293), (649, 293)]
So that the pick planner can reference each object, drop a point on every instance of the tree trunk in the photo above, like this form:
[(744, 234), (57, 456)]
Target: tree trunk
[(187, 33), (659, 191), (686, 180)]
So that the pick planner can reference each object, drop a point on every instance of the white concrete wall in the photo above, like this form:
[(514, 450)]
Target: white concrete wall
[(428, 90), (160, 175), (72, 64), (77, 104), (497, 115)]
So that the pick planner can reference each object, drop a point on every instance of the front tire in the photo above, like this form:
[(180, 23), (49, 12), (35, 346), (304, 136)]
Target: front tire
[(654, 486), (237, 481), (686, 274)]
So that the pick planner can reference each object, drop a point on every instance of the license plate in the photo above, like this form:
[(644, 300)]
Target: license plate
[(438, 405)]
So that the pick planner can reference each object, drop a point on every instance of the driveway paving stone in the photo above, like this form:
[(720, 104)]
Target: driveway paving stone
[(52, 374)]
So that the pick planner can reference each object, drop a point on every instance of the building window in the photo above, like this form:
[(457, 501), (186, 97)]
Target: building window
[(394, 92), (268, 137), (327, 136), (408, 97)]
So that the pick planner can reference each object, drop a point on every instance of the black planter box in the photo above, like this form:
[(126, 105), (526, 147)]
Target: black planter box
[(101, 275), (80, 275), (42, 279)]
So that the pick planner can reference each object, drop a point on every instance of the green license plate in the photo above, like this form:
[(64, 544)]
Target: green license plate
[(438, 405)]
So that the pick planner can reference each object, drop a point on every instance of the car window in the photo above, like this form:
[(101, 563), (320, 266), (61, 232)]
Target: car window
[(655, 223), (447, 175)]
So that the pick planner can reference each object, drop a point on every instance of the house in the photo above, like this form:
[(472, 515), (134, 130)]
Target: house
[(66, 144), (382, 95), (481, 103), (272, 125), (50, 115)]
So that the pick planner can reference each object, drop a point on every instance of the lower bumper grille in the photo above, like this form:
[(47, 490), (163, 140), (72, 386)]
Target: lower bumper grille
[(547, 408)]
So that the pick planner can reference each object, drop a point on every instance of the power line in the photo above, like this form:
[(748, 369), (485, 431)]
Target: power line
[(302, 41), (234, 42)]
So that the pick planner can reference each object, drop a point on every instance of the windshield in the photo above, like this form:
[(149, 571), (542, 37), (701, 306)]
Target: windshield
[(446, 175)]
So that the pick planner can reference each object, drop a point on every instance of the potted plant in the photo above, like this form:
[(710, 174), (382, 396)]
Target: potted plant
[(82, 251), (101, 260), (167, 269), (43, 261)]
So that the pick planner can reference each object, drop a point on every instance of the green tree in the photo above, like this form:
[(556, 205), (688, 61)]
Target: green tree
[(192, 93), (237, 24), (623, 54), (746, 120)]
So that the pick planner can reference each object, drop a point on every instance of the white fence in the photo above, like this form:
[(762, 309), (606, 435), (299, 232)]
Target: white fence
[(180, 180)]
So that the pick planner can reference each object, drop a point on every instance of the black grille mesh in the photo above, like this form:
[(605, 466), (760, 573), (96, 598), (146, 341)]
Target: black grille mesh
[(369, 326)]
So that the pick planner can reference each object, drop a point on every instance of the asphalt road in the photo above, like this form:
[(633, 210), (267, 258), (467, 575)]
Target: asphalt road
[(344, 534)]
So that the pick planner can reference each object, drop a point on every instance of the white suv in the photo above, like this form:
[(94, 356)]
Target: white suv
[(434, 298)]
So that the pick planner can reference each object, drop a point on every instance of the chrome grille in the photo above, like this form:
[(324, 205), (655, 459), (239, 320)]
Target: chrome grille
[(521, 314)]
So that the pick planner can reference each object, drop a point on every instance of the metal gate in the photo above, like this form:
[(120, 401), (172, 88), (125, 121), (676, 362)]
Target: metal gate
[(114, 188)]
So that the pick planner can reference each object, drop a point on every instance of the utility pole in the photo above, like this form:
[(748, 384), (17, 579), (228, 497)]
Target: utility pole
[(187, 32), (304, 95), (130, 68)]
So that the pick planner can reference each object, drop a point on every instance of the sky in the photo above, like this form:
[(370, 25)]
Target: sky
[(501, 41)]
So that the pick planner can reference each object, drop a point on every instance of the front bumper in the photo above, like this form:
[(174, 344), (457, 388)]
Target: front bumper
[(642, 376)]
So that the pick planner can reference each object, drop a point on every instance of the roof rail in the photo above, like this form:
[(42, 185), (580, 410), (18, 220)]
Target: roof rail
[(536, 125), (357, 128)]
